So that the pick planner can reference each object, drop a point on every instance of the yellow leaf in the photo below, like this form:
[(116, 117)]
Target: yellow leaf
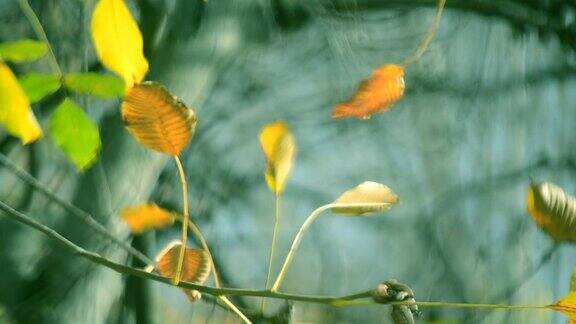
[(118, 41), (196, 267), (366, 198), (279, 149), (375, 94), (553, 210), (567, 304), (147, 216), (157, 119), (15, 113)]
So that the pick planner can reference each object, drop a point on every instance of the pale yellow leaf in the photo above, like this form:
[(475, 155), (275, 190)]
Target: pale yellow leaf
[(16, 116), (279, 149), (195, 269), (157, 119), (553, 210), (148, 216), (118, 41), (366, 198)]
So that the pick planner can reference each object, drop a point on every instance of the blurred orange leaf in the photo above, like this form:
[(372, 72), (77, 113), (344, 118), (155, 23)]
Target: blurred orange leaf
[(118, 41), (567, 304), (16, 116), (553, 210), (375, 94), (366, 198), (157, 119), (196, 266), (147, 216), (279, 149)]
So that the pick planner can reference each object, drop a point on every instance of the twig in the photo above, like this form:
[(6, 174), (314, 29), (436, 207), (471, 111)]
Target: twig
[(40, 33), (329, 300), (73, 210), (272, 247), (429, 35)]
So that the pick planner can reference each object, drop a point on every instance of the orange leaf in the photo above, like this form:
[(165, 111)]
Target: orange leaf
[(567, 304), (196, 267), (375, 94), (157, 119), (553, 210), (147, 216)]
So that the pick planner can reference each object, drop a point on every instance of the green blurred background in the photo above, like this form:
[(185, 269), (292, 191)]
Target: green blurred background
[(489, 106)]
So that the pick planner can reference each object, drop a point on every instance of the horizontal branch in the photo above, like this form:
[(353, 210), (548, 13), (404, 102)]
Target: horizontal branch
[(348, 300)]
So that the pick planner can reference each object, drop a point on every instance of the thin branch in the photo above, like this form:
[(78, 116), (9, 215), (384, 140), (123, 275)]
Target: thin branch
[(39, 30), (429, 35), (73, 210), (329, 300), (272, 248)]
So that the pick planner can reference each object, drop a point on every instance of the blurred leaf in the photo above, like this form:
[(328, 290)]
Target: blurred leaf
[(279, 149), (15, 113), (95, 84), (368, 197), (157, 119), (553, 210), (196, 267), (118, 41), (567, 304), (375, 94), (147, 216), (38, 85), (22, 50), (75, 133)]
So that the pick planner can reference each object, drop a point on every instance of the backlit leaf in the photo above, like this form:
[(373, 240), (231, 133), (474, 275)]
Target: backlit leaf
[(22, 50), (567, 304), (16, 116), (118, 41), (75, 134), (279, 149), (95, 84), (553, 210), (375, 94), (157, 119), (368, 197), (38, 85), (147, 216), (196, 267)]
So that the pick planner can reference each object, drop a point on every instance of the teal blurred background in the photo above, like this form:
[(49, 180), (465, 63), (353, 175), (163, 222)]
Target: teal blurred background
[(489, 106)]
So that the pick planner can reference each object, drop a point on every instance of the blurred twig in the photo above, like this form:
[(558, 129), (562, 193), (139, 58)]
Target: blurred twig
[(73, 210)]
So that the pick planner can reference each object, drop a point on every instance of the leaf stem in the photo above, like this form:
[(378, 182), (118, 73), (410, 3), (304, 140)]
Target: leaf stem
[(425, 42), (198, 234), (309, 220), (273, 247), (72, 209), (185, 220), (40, 33)]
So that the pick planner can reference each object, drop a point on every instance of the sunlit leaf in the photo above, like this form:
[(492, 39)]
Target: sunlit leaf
[(38, 85), (375, 94), (118, 41), (196, 267), (157, 119), (368, 197), (147, 216), (279, 149), (22, 50), (567, 304), (95, 84), (16, 116), (75, 133), (553, 210)]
